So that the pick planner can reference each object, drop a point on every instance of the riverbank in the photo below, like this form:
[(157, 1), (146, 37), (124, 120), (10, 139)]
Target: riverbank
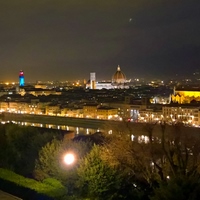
[(46, 119), (134, 128)]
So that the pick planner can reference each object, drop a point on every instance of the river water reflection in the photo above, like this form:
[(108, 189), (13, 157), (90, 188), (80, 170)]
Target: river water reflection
[(76, 130)]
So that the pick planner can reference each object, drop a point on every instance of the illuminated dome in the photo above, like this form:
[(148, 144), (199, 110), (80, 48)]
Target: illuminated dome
[(119, 76)]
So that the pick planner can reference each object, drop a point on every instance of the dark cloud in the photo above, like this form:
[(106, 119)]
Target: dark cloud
[(66, 40)]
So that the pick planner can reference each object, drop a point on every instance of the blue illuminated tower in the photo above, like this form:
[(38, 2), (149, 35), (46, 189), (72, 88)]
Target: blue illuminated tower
[(21, 78)]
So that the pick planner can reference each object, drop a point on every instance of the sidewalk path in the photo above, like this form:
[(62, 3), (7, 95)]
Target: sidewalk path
[(6, 196)]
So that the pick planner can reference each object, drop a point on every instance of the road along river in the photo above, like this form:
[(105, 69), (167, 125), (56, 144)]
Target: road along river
[(86, 125)]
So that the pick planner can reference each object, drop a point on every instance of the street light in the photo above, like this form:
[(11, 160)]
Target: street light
[(69, 158)]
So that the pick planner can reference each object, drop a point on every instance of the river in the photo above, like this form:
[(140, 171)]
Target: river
[(76, 129)]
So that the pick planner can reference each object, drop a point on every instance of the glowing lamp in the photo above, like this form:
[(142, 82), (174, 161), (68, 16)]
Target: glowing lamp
[(69, 158)]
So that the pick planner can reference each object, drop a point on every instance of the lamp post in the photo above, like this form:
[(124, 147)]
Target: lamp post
[(69, 158)]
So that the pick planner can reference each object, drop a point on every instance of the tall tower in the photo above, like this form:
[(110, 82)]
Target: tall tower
[(21, 78), (93, 80)]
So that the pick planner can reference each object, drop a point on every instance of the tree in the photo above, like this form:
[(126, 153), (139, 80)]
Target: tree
[(182, 187), (96, 179), (50, 162), (22, 147), (180, 152), (47, 163), (171, 153), (134, 161)]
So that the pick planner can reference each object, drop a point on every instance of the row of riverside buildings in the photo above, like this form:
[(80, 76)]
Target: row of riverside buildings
[(189, 114), (119, 104)]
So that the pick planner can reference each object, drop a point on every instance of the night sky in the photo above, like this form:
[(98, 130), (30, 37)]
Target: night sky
[(66, 40)]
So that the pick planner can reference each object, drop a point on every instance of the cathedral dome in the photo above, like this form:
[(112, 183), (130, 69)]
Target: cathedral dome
[(119, 76)]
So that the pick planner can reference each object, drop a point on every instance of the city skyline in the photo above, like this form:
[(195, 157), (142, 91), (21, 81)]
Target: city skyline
[(59, 40)]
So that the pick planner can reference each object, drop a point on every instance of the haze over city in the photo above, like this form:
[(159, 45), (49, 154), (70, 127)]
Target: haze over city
[(66, 40)]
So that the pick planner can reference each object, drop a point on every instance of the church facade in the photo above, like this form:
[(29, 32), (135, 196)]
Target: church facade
[(118, 81), (182, 96)]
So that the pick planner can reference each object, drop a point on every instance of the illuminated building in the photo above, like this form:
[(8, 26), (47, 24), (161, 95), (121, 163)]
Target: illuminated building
[(99, 112), (52, 109), (150, 115), (38, 91), (90, 110), (21, 78), (188, 114), (119, 77), (107, 113), (183, 96), (92, 80), (118, 81)]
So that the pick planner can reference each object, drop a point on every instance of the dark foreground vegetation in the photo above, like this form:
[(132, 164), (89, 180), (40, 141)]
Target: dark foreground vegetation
[(110, 167)]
